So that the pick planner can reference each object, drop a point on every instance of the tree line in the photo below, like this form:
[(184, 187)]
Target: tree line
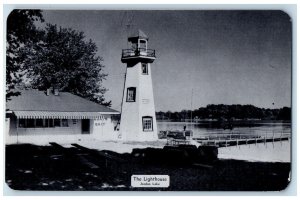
[(227, 112)]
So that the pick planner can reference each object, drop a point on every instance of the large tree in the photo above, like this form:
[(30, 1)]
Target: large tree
[(65, 59), (21, 32)]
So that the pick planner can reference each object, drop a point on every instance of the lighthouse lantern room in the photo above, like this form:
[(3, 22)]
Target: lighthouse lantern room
[(138, 121)]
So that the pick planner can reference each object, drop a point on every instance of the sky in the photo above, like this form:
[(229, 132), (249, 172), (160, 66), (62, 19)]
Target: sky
[(203, 57)]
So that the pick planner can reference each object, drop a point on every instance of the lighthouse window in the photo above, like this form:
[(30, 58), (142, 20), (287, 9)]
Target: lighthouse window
[(134, 46), (147, 123), (143, 45), (130, 94), (144, 69)]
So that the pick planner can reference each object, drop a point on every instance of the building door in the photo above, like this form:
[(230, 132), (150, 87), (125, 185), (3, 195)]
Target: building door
[(85, 126)]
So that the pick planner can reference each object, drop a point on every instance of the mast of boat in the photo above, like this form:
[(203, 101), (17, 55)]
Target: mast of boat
[(192, 108)]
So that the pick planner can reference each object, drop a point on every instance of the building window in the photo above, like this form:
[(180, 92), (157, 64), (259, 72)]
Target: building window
[(49, 123), (30, 123), (144, 69), (39, 123), (57, 122), (22, 123), (147, 123), (131, 94), (64, 123)]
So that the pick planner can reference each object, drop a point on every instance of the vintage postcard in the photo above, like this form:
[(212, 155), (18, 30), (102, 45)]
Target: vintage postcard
[(147, 100)]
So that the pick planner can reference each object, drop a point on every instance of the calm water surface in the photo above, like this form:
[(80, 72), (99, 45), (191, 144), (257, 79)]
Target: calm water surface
[(269, 152), (257, 129)]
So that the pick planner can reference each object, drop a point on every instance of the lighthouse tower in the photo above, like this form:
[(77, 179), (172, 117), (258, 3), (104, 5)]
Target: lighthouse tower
[(138, 121)]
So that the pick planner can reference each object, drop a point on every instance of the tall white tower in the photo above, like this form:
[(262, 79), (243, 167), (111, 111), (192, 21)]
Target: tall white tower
[(138, 121)]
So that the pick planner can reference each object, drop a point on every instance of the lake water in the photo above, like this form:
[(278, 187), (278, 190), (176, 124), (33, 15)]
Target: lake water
[(257, 129), (269, 152)]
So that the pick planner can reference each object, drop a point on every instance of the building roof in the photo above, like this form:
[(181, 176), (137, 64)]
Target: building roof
[(138, 34), (35, 100), (58, 115)]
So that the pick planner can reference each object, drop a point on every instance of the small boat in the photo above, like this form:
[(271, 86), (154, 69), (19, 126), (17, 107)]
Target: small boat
[(187, 134)]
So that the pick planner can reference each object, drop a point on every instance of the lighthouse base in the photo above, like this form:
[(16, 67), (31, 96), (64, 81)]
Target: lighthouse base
[(139, 137)]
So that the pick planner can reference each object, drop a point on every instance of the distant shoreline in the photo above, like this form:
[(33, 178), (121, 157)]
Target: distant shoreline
[(208, 121)]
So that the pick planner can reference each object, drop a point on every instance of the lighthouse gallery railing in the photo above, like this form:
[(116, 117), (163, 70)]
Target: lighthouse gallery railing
[(138, 52)]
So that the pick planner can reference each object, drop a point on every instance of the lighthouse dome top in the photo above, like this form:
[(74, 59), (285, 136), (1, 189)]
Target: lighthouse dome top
[(137, 34)]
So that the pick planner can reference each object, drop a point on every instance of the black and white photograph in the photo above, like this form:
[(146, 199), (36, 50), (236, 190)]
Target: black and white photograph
[(148, 100)]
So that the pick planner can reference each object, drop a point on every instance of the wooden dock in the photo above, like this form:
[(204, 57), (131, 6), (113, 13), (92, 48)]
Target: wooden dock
[(240, 141), (228, 140)]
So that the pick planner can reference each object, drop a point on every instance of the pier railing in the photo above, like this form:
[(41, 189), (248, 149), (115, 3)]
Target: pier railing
[(231, 139), (240, 139)]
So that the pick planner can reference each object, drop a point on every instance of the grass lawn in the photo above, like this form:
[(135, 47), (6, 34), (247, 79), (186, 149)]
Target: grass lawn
[(31, 167)]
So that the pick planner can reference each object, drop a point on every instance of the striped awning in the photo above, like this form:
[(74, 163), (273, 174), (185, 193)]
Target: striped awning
[(58, 115)]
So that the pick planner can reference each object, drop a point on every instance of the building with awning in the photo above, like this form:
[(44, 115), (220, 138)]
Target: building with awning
[(49, 115)]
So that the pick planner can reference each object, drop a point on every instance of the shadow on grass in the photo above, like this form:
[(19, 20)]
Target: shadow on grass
[(31, 167)]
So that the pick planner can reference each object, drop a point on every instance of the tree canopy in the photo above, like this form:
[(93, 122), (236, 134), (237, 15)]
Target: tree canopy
[(64, 59), (228, 112), (52, 57), (21, 32)]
